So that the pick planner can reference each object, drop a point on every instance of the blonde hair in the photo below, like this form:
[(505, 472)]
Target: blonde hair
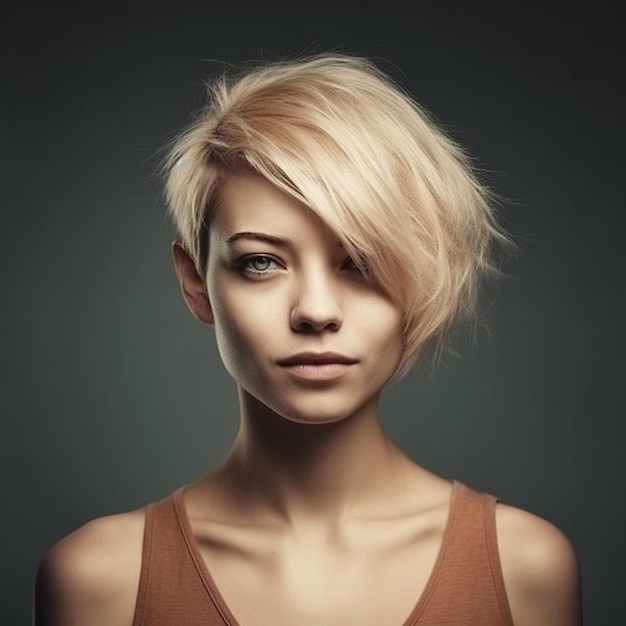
[(336, 133)]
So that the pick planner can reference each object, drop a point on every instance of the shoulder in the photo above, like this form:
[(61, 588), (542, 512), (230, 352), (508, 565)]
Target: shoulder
[(91, 577), (540, 569)]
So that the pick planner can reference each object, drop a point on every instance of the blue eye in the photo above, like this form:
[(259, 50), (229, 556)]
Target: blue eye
[(257, 264)]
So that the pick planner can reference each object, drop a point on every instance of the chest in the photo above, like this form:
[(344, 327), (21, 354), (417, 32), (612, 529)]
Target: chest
[(441, 572), (375, 578)]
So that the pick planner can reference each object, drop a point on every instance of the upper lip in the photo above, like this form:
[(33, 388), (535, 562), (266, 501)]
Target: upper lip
[(316, 358)]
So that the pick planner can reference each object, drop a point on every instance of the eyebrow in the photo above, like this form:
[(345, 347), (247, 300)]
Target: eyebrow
[(282, 242), (273, 239)]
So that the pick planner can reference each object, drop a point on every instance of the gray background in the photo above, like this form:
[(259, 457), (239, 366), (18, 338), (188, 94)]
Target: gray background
[(112, 395)]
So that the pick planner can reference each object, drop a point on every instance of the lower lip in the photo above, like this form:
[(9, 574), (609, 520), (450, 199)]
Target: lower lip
[(320, 372)]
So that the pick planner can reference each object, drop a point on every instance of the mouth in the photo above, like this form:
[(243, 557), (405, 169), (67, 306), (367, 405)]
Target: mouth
[(319, 367), (317, 358)]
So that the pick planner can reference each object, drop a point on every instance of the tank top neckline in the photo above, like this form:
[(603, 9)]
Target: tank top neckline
[(225, 612)]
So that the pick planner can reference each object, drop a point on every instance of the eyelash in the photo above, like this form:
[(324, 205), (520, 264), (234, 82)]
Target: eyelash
[(349, 264), (244, 265), (361, 268)]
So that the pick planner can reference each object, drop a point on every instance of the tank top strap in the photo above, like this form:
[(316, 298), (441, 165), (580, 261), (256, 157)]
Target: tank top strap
[(491, 537), (470, 588), (171, 591), (146, 564)]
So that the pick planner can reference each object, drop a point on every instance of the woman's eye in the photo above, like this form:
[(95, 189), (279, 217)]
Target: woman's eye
[(257, 264), (352, 266)]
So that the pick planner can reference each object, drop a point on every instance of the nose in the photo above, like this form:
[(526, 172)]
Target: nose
[(316, 305)]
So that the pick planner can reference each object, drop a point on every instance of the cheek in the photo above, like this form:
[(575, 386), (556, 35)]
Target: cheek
[(387, 333), (383, 320), (242, 338)]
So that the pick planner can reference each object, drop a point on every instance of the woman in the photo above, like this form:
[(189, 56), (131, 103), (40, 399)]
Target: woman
[(331, 234)]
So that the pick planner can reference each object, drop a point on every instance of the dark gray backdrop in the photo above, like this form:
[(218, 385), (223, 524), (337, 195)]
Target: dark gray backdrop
[(113, 394)]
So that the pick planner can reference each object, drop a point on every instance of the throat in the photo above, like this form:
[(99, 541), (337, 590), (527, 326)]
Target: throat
[(310, 471)]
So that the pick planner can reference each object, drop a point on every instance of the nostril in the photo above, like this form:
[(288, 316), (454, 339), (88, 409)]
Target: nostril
[(310, 320)]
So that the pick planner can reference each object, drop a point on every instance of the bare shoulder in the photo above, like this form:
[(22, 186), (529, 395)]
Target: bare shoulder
[(540, 569), (91, 577)]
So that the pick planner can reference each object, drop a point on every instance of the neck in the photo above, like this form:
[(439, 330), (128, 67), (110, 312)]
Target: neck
[(310, 470)]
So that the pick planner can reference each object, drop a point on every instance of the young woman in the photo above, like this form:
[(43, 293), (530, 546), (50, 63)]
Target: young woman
[(331, 234)]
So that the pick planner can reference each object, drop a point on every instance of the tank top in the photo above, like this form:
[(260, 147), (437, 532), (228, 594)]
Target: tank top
[(465, 587)]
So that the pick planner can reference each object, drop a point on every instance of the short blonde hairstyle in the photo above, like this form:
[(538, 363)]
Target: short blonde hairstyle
[(336, 133)]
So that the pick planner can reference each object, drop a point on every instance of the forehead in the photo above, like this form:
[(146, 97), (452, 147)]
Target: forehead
[(248, 202)]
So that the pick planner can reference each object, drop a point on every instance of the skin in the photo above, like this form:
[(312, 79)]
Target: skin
[(313, 490)]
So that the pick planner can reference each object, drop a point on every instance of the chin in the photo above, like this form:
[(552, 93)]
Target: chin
[(319, 413), (308, 405), (317, 420)]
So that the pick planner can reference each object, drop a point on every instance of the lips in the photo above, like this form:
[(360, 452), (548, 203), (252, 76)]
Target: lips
[(317, 358), (317, 368)]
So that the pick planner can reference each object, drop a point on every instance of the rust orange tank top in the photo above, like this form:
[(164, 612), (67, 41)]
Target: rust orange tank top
[(465, 587)]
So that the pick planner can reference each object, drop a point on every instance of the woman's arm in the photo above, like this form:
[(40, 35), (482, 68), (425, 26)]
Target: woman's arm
[(91, 577), (540, 570)]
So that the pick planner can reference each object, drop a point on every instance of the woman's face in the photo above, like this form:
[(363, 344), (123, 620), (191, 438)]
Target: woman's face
[(298, 326)]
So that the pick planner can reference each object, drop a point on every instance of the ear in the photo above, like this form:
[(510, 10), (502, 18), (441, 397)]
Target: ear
[(192, 285)]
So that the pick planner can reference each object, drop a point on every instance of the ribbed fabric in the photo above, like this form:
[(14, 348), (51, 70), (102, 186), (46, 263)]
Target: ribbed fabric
[(465, 588)]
